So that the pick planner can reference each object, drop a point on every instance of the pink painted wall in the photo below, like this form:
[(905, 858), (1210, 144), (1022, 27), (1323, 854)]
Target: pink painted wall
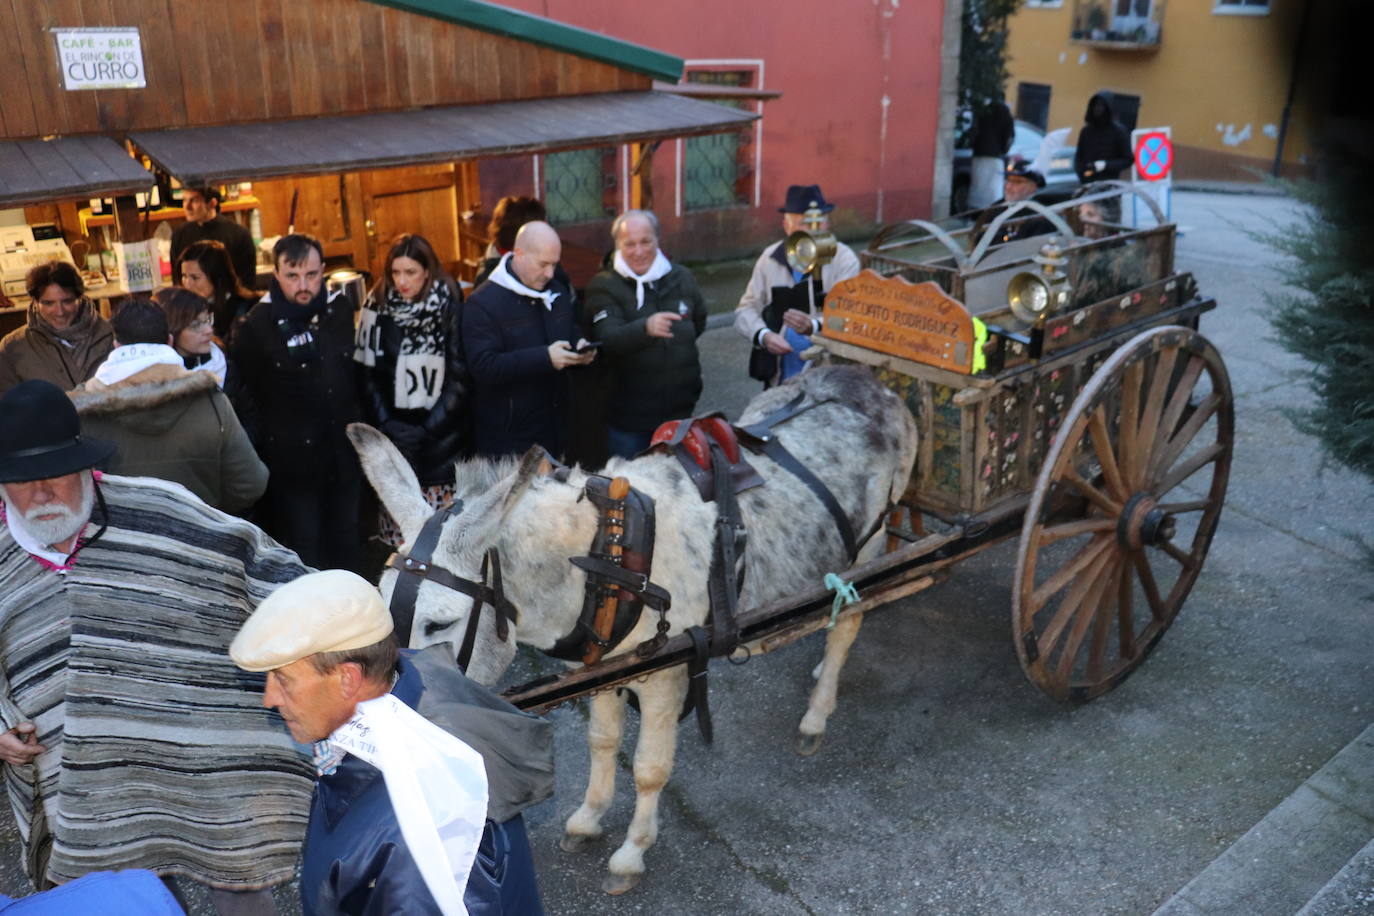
[(835, 63)]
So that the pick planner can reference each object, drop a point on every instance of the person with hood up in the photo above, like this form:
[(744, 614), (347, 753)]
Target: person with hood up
[(65, 338), (1104, 147), (165, 420)]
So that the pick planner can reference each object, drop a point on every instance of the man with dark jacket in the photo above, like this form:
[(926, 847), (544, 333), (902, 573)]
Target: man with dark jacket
[(295, 352), (1104, 148), (517, 329), (648, 313), (165, 420), (201, 207), (406, 817)]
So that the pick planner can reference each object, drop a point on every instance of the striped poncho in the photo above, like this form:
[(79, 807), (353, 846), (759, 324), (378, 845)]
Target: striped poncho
[(159, 753)]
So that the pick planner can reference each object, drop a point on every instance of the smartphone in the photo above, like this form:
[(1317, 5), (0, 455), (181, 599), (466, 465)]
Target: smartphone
[(587, 347)]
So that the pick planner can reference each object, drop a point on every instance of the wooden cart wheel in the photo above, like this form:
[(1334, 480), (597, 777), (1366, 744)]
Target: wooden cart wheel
[(1122, 513)]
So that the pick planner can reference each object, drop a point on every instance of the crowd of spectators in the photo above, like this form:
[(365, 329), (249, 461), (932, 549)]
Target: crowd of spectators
[(244, 396)]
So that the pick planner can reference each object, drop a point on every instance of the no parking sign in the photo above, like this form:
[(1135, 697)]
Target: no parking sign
[(1154, 155), (1152, 172)]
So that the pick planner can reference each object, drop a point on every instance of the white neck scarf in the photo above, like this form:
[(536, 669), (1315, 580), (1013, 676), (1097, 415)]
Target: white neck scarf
[(438, 789), (657, 270), (134, 358), (502, 277)]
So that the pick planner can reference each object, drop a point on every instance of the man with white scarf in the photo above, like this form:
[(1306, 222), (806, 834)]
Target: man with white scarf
[(166, 420), (648, 314), (421, 773), (518, 329)]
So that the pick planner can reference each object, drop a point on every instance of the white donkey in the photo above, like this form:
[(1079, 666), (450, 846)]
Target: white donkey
[(860, 440)]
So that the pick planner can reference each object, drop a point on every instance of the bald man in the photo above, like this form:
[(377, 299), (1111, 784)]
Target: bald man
[(518, 333)]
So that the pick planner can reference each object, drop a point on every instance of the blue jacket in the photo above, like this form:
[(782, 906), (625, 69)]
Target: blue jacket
[(520, 399), (356, 862)]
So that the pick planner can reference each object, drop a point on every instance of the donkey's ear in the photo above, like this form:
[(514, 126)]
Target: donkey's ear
[(535, 463), (391, 476)]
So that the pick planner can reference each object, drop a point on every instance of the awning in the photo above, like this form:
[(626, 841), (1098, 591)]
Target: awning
[(318, 146), (66, 168)]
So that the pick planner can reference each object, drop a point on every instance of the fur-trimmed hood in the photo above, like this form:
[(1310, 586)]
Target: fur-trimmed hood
[(154, 393)]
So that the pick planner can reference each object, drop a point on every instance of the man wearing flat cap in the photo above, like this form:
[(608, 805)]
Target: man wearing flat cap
[(778, 312), (407, 817), (131, 739)]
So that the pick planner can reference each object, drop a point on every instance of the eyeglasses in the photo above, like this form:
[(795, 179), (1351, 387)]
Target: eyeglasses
[(201, 324)]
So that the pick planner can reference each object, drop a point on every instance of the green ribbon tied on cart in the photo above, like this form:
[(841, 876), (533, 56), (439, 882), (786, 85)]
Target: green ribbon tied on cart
[(980, 339), (845, 594)]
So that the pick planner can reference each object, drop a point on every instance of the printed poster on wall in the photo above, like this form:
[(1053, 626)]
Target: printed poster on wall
[(100, 58)]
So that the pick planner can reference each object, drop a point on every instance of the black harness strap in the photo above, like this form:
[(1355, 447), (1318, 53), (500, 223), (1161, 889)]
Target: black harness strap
[(417, 564), (730, 540), (759, 437)]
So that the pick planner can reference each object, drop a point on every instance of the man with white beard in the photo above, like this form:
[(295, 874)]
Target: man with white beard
[(131, 739)]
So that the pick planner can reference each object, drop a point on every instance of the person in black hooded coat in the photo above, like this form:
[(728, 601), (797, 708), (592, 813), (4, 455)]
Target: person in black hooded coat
[(1104, 147)]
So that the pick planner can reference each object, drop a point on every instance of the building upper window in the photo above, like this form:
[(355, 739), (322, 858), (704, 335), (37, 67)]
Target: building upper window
[(1242, 7), (717, 168), (1044, 4)]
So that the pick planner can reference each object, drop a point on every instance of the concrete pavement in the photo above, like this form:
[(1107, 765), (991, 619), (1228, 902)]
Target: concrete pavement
[(948, 784)]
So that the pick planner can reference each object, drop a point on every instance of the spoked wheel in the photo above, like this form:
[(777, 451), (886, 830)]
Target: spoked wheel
[(1123, 513)]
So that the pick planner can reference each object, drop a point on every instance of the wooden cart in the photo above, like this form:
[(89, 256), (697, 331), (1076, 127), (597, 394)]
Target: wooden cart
[(1099, 430)]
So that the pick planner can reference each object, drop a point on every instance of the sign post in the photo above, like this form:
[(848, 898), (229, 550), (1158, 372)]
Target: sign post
[(1152, 172)]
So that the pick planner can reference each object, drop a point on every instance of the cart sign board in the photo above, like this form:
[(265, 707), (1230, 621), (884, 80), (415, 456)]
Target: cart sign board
[(1154, 154), (100, 58), (916, 321)]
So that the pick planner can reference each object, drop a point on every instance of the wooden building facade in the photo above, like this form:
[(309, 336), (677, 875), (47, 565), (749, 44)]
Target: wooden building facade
[(354, 120)]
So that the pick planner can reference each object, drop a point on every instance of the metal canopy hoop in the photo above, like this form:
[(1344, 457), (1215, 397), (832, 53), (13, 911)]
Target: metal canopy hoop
[(1123, 513), (991, 232), (886, 239)]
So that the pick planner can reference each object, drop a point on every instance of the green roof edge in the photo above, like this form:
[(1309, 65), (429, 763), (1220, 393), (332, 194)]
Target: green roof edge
[(547, 32)]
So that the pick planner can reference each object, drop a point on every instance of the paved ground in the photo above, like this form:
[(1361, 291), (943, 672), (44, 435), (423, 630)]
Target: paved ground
[(948, 784)]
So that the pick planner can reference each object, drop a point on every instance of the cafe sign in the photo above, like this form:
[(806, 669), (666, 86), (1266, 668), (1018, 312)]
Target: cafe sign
[(100, 58)]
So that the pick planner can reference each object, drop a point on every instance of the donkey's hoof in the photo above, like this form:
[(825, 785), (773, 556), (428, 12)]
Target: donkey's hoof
[(615, 885), (807, 745), (576, 842)]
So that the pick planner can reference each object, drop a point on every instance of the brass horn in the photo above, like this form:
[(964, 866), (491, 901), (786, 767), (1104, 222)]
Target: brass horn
[(811, 248)]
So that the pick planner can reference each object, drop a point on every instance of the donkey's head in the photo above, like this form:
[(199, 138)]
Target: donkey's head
[(487, 490)]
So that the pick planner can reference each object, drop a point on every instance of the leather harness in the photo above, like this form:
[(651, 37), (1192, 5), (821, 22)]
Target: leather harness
[(621, 576)]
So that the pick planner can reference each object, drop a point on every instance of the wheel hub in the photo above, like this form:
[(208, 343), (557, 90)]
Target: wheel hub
[(1142, 523)]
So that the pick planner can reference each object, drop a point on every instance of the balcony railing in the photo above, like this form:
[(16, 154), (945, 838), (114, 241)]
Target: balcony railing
[(1120, 25)]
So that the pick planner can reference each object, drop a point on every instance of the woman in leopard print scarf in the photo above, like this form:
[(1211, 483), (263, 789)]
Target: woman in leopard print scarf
[(415, 385)]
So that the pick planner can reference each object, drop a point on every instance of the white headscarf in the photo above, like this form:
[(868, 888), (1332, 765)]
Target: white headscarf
[(502, 277), (656, 271)]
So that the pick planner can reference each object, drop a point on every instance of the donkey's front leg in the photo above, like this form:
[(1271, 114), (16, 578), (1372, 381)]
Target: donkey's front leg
[(660, 702), (837, 643), (604, 730)]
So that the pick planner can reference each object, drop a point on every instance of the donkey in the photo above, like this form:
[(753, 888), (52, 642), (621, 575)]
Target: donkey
[(859, 439)]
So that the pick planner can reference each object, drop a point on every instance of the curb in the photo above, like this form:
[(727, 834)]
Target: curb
[(1286, 859)]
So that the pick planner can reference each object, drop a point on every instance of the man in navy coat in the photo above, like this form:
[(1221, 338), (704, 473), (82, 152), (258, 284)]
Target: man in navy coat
[(517, 329)]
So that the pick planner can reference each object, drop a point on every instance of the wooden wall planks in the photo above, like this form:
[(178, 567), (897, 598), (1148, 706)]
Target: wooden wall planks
[(216, 62)]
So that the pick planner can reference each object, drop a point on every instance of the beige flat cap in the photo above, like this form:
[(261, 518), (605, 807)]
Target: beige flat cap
[(330, 611)]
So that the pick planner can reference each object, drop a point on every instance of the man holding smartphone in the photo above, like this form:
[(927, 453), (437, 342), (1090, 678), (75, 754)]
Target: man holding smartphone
[(517, 333), (648, 312)]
